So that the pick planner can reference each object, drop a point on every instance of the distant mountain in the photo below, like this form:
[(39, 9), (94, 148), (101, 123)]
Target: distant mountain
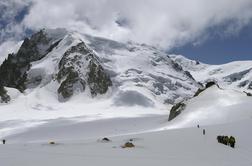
[(235, 75)]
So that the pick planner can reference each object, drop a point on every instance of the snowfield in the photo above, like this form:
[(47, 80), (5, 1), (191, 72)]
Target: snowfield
[(215, 106), (157, 141), (173, 147), (145, 83)]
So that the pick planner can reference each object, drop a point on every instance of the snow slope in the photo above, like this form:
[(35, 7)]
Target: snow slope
[(214, 106), (157, 141), (174, 147)]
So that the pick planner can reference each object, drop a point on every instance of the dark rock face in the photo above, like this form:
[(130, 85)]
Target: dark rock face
[(13, 71), (247, 93), (176, 66), (80, 67), (250, 85), (208, 85), (176, 110), (35, 48), (67, 87), (98, 80), (189, 75), (4, 97)]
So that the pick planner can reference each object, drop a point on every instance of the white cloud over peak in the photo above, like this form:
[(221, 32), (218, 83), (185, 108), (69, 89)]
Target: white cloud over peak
[(166, 23)]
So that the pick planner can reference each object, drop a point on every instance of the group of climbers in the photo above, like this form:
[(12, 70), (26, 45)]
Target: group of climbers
[(229, 141)]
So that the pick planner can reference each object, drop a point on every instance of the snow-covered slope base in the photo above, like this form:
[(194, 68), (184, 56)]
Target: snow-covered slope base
[(214, 106), (157, 141), (173, 147)]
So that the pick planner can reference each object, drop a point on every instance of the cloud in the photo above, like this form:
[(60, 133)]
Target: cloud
[(8, 47), (12, 13), (166, 23)]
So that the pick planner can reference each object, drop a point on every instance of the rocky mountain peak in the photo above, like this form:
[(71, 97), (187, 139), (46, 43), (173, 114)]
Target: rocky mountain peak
[(13, 71)]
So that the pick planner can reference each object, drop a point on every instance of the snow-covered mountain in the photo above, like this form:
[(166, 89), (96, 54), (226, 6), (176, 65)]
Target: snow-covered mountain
[(54, 69), (69, 63), (235, 75)]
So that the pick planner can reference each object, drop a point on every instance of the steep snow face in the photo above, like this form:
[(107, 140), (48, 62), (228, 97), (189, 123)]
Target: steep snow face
[(143, 73), (235, 75), (187, 64), (214, 106)]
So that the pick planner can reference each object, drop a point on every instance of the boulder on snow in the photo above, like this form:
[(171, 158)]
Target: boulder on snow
[(247, 93), (128, 145), (105, 139), (52, 143)]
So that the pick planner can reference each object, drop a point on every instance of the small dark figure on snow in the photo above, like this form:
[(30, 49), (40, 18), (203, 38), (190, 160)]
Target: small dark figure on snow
[(4, 141), (225, 140), (220, 138), (232, 141), (198, 126), (204, 131)]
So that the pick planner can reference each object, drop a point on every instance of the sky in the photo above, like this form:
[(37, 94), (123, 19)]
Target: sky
[(210, 31), (219, 50)]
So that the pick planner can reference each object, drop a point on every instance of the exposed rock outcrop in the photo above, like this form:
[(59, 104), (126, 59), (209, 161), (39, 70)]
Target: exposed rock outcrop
[(176, 110), (208, 85), (13, 71), (79, 67), (4, 97)]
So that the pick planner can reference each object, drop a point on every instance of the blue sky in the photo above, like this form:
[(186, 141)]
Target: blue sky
[(219, 50)]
